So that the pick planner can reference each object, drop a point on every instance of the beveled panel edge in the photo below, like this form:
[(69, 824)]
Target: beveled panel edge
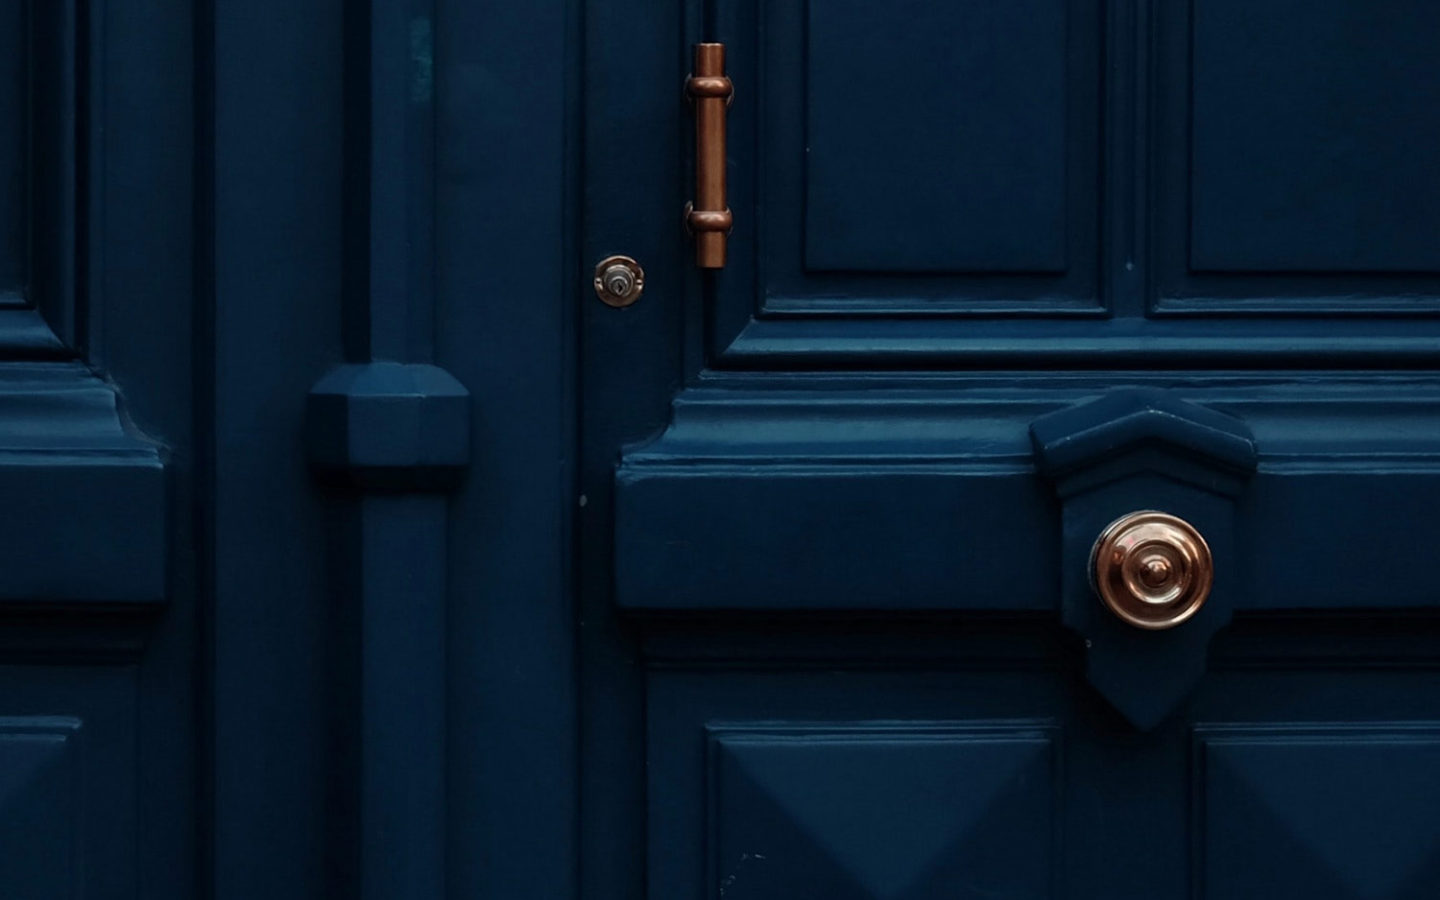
[(1044, 729), (66, 113), (1342, 304), (1108, 343), (1296, 417), (25, 334)]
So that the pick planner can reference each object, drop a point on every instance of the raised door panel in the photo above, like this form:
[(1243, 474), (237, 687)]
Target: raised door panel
[(69, 799), (39, 807), (911, 159), (1040, 183), (1296, 151), (773, 781), (1314, 136), (935, 137), (873, 810), (1339, 810)]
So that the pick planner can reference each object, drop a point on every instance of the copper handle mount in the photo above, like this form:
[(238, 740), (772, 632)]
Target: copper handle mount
[(708, 217), (1152, 569)]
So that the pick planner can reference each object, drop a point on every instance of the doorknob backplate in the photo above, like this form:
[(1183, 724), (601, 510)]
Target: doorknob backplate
[(1146, 449)]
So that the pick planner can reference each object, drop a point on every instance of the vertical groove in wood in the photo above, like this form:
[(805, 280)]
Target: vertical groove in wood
[(1127, 145), (390, 180)]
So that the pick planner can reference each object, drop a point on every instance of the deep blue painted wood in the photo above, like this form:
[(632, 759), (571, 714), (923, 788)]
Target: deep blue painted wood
[(1334, 807), (14, 91), (893, 226), (852, 581), (98, 458), (60, 111), (176, 183), (1134, 449), (1329, 179), (1020, 343), (390, 566), (390, 421), (623, 356), (934, 480), (831, 530), (770, 310), (67, 450), (41, 786), (1077, 445), (997, 140), (390, 425), (70, 782), (506, 188), (337, 679), (40, 210), (858, 811), (133, 314), (1334, 178), (831, 537), (273, 330)]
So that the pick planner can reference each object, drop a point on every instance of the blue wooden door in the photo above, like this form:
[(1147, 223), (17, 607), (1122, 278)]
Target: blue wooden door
[(304, 382), (98, 713), (1002, 273)]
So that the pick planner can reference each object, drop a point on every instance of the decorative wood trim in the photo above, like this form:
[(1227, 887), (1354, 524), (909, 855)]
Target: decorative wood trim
[(931, 479), (58, 110), (1014, 342), (86, 496), (390, 424)]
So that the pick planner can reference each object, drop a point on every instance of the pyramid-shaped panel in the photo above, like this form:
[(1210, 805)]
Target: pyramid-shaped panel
[(891, 812), (1340, 812), (39, 807)]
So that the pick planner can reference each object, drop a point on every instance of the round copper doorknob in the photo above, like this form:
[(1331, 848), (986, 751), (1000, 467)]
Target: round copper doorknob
[(1152, 569)]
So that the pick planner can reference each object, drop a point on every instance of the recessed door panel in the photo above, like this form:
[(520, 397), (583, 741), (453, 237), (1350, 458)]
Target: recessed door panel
[(913, 158), (1315, 136), (1295, 158), (950, 156)]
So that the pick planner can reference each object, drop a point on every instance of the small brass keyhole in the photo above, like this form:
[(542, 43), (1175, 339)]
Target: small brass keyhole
[(619, 281)]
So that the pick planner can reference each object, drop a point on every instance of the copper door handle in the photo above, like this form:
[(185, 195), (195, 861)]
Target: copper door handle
[(708, 217), (1152, 569)]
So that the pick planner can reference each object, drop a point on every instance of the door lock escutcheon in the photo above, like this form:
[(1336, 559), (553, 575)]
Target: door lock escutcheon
[(619, 281)]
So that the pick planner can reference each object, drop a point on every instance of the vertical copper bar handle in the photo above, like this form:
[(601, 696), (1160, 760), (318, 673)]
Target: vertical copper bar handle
[(709, 216)]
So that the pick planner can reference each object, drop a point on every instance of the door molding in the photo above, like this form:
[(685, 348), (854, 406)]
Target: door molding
[(930, 480)]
